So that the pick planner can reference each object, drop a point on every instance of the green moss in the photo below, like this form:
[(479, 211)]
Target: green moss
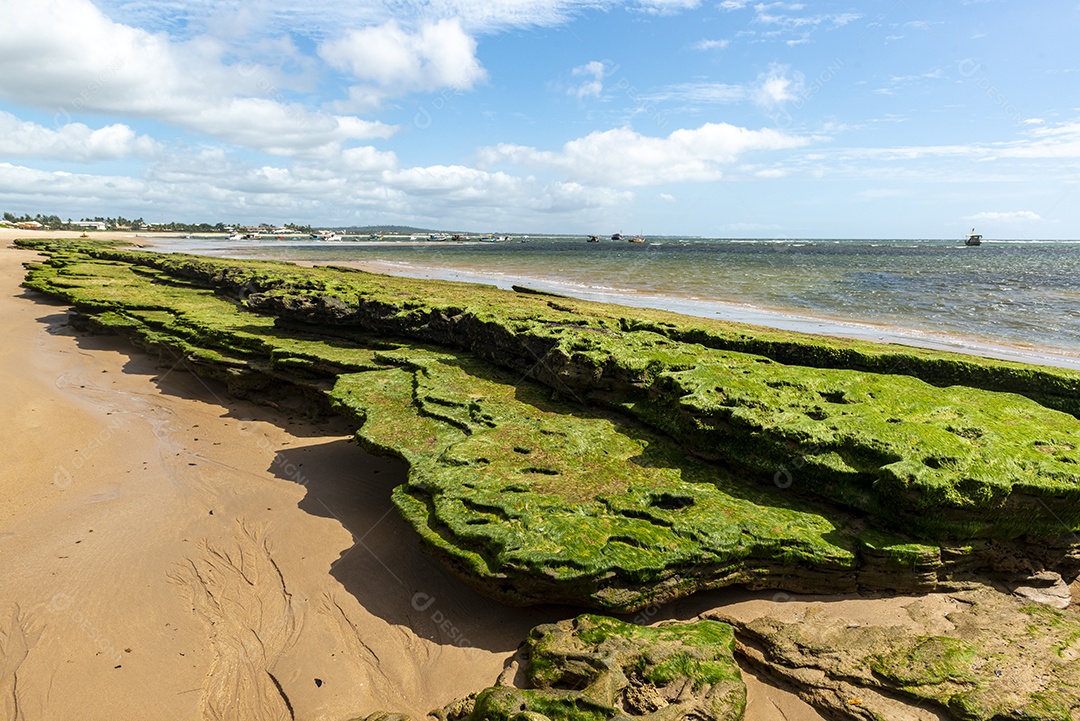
[(932, 661), (568, 451), (598, 664)]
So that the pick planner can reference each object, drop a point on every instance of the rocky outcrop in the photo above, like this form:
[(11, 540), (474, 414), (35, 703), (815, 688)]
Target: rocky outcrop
[(547, 438), (974, 655), (594, 668)]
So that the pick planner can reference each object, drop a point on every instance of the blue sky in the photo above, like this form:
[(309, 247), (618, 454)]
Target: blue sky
[(734, 119)]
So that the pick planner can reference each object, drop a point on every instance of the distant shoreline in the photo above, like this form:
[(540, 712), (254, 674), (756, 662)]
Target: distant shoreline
[(740, 313), (777, 318)]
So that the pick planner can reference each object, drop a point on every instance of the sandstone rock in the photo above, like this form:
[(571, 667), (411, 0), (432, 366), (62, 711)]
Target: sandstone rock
[(1046, 587), (593, 667), (992, 656)]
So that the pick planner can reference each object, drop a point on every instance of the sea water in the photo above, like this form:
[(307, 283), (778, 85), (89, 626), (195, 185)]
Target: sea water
[(1023, 294)]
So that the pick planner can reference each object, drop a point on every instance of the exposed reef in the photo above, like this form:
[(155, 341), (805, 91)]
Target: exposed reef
[(595, 668), (611, 457), (975, 655)]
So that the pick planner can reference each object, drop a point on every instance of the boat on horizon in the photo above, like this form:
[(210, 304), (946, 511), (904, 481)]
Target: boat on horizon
[(593, 239), (616, 236), (973, 238), (636, 239)]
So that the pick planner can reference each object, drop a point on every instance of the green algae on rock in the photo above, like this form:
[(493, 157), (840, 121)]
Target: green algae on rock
[(546, 437), (1001, 658), (541, 501), (595, 668)]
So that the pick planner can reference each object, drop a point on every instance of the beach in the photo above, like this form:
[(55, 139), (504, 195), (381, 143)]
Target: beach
[(171, 552)]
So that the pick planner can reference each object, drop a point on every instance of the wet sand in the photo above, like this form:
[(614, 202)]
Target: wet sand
[(169, 552)]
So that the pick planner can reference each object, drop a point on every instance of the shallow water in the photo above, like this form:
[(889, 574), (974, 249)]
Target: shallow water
[(1003, 292)]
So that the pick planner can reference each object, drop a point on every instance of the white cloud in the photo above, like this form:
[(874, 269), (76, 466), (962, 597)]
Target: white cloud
[(390, 61), (566, 197), (86, 190), (775, 88), (46, 62), (667, 7), (705, 45), (454, 182), (718, 93), (623, 157), (73, 141), (594, 84), (1011, 216)]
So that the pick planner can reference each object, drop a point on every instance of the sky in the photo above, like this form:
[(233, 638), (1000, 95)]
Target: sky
[(721, 118)]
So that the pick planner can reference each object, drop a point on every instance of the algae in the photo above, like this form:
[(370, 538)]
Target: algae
[(595, 668), (560, 450), (1002, 660)]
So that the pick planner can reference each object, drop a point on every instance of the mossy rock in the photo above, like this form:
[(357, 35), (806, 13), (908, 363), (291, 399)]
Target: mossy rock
[(594, 668), (547, 439), (1003, 659)]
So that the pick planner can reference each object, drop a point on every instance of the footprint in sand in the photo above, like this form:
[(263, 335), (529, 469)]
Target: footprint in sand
[(239, 592)]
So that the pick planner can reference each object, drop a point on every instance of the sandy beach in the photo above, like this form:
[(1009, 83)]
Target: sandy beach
[(169, 552)]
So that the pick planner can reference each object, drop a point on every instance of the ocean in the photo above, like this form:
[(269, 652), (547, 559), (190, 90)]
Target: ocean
[(1005, 298)]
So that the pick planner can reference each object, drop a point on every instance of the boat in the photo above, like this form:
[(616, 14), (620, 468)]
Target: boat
[(636, 239), (973, 238), (593, 239), (616, 236), (236, 236), (489, 238)]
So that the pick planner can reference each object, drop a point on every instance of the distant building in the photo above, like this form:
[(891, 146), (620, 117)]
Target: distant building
[(29, 225), (95, 224)]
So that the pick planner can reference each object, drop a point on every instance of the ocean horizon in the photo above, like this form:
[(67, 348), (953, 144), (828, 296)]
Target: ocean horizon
[(1014, 299)]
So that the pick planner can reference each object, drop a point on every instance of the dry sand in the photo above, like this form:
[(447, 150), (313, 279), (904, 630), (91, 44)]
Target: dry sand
[(168, 552)]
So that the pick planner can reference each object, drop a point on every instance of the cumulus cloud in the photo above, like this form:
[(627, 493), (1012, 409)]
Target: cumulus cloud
[(390, 61), (623, 157), (775, 88), (73, 141), (46, 62), (84, 190), (594, 79)]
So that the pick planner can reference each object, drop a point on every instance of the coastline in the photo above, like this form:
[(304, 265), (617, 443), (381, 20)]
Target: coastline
[(725, 310), (742, 313), (149, 516)]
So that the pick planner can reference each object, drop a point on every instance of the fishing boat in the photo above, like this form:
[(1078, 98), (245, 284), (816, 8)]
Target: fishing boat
[(973, 238), (636, 239), (616, 236), (593, 239)]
